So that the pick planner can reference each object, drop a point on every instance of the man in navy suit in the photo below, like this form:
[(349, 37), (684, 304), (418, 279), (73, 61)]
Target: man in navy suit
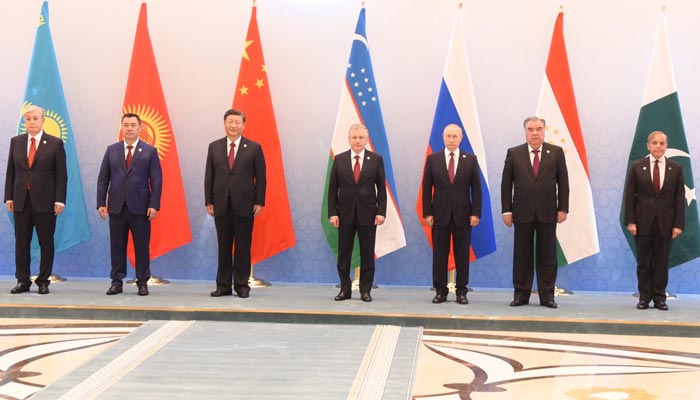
[(356, 204), (234, 193), (535, 198), (35, 191), (655, 215), (451, 207), (128, 189)]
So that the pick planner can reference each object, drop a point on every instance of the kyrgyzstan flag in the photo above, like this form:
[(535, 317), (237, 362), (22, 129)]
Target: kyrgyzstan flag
[(144, 96), (273, 231)]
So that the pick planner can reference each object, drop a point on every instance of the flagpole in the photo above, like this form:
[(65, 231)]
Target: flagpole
[(252, 280)]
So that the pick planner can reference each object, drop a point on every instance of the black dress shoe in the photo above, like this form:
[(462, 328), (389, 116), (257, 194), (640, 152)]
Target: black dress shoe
[(439, 298), (462, 299), (244, 294), (661, 305), (519, 302), (143, 290), (114, 289), (44, 289), (366, 297), (642, 305), (20, 289), (549, 304), (220, 293), (343, 296)]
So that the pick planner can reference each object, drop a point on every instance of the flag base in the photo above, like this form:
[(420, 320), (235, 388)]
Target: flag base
[(154, 281), (668, 295), (256, 282), (52, 278), (559, 291)]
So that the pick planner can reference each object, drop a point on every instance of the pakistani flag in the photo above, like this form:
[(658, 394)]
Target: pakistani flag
[(661, 111), (44, 89)]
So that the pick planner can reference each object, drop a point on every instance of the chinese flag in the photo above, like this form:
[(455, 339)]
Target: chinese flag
[(273, 231), (144, 96)]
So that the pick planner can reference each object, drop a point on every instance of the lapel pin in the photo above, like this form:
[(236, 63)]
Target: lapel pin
[(669, 168), (44, 142), (464, 156), (644, 168), (245, 144), (368, 157), (547, 151)]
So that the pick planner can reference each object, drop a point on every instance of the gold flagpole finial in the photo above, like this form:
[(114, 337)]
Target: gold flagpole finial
[(253, 3), (561, 8), (663, 8), (363, 3), (461, 4)]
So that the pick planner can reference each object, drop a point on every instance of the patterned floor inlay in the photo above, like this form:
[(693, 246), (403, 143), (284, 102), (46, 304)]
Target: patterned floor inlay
[(37, 352), (478, 365)]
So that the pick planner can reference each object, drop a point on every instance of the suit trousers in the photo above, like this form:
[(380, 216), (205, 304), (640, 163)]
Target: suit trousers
[(653, 252), (230, 230), (45, 224), (119, 227), (535, 241), (346, 238), (461, 238)]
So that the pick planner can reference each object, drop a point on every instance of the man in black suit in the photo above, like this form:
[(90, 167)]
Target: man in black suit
[(234, 193), (35, 191), (130, 175), (655, 215), (535, 197), (451, 207), (356, 204)]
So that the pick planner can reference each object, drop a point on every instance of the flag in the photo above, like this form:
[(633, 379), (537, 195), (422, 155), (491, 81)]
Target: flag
[(44, 89), (661, 111), (577, 237), (273, 231), (144, 97), (359, 104), (457, 105)]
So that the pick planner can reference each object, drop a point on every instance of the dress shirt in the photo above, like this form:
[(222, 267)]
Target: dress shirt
[(662, 169), (235, 149), (352, 158), (38, 140), (447, 159)]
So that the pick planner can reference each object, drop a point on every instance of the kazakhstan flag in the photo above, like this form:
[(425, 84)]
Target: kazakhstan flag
[(45, 90)]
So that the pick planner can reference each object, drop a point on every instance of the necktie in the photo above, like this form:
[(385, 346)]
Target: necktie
[(356, 169), (32, 152), (536, 162), (231, 155), (129, 156), (656, 181), (451, 168)]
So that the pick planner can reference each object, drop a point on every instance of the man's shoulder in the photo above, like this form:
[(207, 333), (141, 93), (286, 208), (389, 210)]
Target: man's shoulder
[(218, 141), (247, 142), (369, 154), (552, 147), (146, 146), (674, 164), (345, 154)]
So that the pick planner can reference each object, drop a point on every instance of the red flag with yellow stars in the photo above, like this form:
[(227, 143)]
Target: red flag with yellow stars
[(273, 231), (144, 96)]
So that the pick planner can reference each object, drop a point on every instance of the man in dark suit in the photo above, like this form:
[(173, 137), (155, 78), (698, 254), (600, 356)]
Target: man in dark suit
[(655, 215), (129, 185), (356, 204), (451, 207), (535, 197), (234, 193), (35, 191)]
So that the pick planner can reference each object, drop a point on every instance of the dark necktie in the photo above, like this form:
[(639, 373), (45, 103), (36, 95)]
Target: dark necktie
[(356, 169), (656, 181), (129, 156), (536, 162), (231, 155), (32, 152), (451, 168)]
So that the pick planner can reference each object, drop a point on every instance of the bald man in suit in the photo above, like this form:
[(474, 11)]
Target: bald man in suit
[(35, 192)]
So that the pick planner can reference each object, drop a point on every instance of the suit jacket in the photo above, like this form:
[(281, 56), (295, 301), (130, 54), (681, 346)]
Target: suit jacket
[(529, 197), (367, 198), (244, 184), (139, 188), (48, 176), (444, 200), (642, 204)]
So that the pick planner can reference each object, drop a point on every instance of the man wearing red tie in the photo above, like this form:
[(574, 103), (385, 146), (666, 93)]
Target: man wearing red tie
[(356, 204), (654, 215), (35, 192)]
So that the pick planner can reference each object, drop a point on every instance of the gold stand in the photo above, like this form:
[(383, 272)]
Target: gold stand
[(256, 282), (356, 282), (559, 291), (451, 285), (668, 295), (154, 281), (52, 278)]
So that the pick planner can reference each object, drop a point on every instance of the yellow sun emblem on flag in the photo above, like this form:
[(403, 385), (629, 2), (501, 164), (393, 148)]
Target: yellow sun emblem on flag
[(155, 130), (54, 124)]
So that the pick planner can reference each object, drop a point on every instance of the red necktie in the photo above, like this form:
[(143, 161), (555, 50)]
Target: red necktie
[(536, 162), (656, 181), (356, 169), (32, 152), (129, 156), (231, 155), (451, 168)]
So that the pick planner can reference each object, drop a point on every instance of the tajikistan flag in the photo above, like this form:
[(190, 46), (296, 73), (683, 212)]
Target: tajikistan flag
[(661, 111), (577, 237)]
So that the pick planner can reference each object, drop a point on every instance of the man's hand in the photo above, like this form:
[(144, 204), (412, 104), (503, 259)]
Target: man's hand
[(210, 209), (10, 205), (257, 208), (429, 221), (151, 213), (676, 232), (378, 220), (335, 221), (58, 209), (508, 219), (103, 212), (561, 216), (632, 228), (474, 221)]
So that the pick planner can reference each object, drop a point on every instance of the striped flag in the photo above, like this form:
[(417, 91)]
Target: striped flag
[(359, 104), (456, 105), (661, 111), (577, 237)]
